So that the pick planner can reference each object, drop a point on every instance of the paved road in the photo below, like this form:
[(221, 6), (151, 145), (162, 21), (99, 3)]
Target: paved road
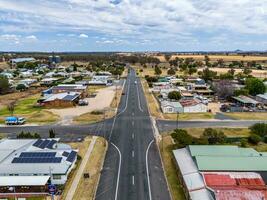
[(132, 168)]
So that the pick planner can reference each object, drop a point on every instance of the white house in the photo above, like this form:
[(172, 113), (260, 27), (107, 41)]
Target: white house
[(171, 107), (193, 106)]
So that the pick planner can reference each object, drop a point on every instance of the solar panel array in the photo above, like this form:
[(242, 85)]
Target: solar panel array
[(37, 160), (42, 144), (37, 154), (71, 157), (65, 153)]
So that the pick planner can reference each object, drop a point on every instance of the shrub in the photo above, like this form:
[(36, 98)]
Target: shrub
[(175, 95), (97, 112), (259, 129), (243, 142), (181, 137), (213, 136)]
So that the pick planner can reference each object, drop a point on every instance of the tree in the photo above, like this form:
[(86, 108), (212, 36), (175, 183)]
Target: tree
[(208, 75), (192, 70), (157, 70), (181, 137), (247, 71), (175, 95), (207, 60), (11, 108), (4, 85), (254, 139), (167, 57), (220, 62), (52, 133), (224, 89), (21, 87), (259, 129), (255, 86), (214, 136), (171, 71), (241, 91)]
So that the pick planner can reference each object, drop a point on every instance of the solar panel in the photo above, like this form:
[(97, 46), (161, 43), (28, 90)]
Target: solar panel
[(43, 144), (51, 144), (37, 160), (37, 154), (71, 157), (37, 143), (65, 153)]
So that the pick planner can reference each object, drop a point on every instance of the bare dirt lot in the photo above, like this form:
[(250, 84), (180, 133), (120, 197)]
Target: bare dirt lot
[(102, 101)]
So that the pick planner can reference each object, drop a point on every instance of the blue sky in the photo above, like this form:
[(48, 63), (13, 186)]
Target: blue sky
[(132, 25)]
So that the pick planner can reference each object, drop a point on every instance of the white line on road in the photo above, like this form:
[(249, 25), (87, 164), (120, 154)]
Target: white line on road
[(133, 180), (147, 171), (132, 114), (133, 154), (132, 135), (119, 171), (132, 122)]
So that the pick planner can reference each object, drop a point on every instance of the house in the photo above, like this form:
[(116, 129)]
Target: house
[(8, 75), (220, 172), (48, 81), (61, 88), (193, 106), (157, 86), (36, 157), (28, 81), (101, 80), (171, 107), (262, 98), (20, 60), (26, 74), (66, 99)]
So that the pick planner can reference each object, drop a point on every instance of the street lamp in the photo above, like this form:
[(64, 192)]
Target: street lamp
[(177, 118)]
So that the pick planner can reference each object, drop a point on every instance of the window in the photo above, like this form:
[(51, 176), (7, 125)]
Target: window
[(56, 177)]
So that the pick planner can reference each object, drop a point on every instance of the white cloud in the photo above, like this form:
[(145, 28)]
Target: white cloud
[(31, 37), (83, 36)]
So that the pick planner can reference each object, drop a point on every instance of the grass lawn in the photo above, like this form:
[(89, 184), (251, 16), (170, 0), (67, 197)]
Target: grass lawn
[(229, 132), (189, 116), (247, 115), (170, 169), (25, 108)]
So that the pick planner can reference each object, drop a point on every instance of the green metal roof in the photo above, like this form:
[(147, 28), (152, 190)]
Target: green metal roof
[(227, 163), (221, 150)]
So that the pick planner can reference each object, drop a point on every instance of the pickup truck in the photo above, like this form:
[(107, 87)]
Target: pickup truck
[(15, 120)]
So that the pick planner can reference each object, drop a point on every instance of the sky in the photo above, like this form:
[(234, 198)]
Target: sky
[(133, 25)]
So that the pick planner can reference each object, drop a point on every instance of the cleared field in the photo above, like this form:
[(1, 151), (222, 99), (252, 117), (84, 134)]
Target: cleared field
[(216, 57), (247, 115), (25, 108), (189, 116), (4, 65)]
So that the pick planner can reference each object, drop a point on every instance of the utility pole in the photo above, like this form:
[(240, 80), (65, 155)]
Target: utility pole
[(177, 118)]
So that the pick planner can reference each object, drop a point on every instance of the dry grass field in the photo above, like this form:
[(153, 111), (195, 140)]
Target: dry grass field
[(216, 57), (4, 65)]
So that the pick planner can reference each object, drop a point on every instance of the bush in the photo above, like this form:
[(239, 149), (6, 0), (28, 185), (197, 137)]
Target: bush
[(254, 139), (28, 135), (181, 137), (175, 95), (243, 142), (97, 112)]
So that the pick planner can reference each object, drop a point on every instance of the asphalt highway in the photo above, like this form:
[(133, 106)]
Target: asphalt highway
[(132, 168)]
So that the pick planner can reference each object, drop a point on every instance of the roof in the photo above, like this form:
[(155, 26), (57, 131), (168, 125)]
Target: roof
[(231, 163), (263, 96), (245, 99), (189, 102), (174, 104), (221, 150), (17, 60), (23, 180), (67, 96), (70, 87)]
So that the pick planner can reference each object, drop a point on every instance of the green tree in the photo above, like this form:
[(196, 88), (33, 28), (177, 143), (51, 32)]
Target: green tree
[(167, 57), (255, 86), (175, 95), (208, 74), (171, 71), (11, 108), (181, 137), (4, 85), (259, 129), (21, 87), (214, 136), (157, 70), (254, 139), (241, 91)]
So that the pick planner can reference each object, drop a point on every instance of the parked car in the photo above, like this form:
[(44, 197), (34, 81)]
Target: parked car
[(83, 102), (15, 120)]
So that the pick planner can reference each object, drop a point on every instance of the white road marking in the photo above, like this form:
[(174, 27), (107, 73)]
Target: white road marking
[(133, 180), (133, 154), (147, 171), (119, 171), (132, 114), (132, 122), (132, 135)]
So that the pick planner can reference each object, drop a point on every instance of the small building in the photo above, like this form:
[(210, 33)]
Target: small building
[(246, 101), (66, 99), (101, 80), (193, 106), (20, 60), (65, 88), (171, 107), (262, 98), (48, 81)]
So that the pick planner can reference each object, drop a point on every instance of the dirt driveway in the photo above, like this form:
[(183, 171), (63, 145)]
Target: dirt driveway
[(101, 101)]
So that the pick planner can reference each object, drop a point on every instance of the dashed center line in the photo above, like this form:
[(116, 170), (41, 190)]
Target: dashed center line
[(133, 154), (133, 180), (132, 135), (132, 122)]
